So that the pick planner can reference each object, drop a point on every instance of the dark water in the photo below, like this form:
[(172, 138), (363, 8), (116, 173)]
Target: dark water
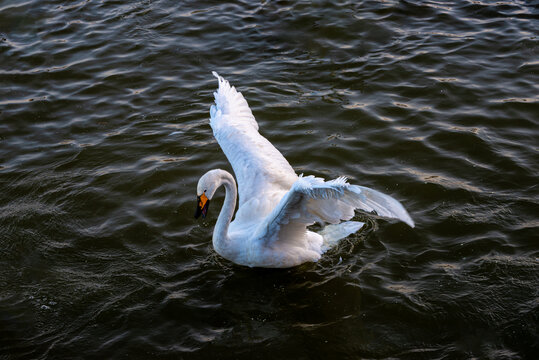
[(104, 133)]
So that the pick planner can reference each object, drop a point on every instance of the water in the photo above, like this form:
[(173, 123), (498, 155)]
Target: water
[(104, 109)]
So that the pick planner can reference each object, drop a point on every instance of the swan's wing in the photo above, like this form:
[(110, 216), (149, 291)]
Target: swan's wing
[(313, 200), (258, 165)]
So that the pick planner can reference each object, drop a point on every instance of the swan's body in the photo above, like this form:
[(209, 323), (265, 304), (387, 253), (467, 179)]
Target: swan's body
[(275, 204)]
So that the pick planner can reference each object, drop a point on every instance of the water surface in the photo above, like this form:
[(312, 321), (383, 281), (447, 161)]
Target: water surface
[(104, 109)]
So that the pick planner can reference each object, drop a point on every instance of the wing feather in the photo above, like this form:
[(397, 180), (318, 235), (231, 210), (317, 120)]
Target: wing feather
[(312, 199), (257, 164)]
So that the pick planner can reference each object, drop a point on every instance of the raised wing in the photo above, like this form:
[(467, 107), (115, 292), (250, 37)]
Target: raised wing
[(257, 164), (313, 200)]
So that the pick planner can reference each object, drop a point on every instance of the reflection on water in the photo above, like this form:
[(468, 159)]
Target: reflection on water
[(104, 133)]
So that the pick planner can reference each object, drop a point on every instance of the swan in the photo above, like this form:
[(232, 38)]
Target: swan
[(275, 205)]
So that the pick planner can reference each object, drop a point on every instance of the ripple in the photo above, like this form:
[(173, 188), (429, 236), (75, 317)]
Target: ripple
[(105, 132)]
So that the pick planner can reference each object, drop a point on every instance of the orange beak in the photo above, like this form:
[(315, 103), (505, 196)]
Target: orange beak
[(202, 206)]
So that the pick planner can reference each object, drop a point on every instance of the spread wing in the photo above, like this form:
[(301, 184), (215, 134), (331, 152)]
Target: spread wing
[(257, 164), (313, 200)]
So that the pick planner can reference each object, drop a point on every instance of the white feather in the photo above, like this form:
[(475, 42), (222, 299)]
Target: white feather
[(275, 205)]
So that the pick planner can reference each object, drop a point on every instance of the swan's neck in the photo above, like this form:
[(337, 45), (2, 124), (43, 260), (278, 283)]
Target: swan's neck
[(220, 232)]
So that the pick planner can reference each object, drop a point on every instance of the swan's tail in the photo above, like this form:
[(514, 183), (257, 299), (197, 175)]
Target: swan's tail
[(335, 232)]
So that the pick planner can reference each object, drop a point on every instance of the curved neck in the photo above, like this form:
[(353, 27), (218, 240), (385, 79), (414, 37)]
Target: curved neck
[(220, 232)]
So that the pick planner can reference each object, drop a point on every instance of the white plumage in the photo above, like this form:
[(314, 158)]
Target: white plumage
[(275, 204)]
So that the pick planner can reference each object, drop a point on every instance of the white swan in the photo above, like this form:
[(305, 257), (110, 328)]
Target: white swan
[(275, 204)]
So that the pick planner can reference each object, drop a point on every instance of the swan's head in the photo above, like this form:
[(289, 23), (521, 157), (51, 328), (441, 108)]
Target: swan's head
[(208, 183)]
